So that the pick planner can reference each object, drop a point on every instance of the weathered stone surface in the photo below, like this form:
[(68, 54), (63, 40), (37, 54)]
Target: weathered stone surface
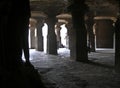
[(61, 72), (100, 7)]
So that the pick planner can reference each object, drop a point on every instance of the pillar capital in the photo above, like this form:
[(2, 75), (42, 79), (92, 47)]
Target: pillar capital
[(39, 20), (32, 23), (51, 19), (78, 6)]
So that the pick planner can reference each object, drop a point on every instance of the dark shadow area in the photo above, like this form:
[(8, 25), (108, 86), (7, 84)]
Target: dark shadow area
[(99, 64), (103, 58), (14, 25), (24, 77)]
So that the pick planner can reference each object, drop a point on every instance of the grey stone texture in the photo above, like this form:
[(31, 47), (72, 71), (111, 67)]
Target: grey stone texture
[(59, 71)]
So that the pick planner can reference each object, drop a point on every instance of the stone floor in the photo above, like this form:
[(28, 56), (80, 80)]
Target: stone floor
[(62, 72)]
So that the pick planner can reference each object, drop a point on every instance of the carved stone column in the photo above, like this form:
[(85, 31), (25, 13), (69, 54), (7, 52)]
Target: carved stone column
[(79, 34), (117, 43), (104, 33), (40, 23), (57, 31), (51, 38), (32, 33), (69, 33), (89, 25)]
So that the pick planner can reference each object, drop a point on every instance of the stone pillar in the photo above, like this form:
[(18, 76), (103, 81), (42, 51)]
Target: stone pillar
[(51, 38), (91, 37), (57, 31), (40, 23), (67, 38), (117, 43), (104, 33), (69, 28), (79, 34), (32, 33)]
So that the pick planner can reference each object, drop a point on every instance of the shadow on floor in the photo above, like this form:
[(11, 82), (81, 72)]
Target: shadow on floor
[(24, 77)]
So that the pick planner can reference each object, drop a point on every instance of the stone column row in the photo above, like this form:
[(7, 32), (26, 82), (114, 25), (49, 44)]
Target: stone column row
[(78, 35), (37, 41)]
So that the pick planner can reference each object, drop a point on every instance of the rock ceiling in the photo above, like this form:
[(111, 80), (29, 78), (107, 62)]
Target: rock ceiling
[(55, 7)]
